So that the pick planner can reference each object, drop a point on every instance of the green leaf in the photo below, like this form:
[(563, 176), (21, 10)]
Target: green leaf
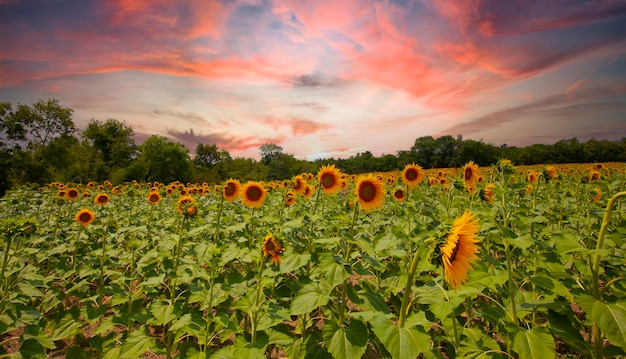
[(534, 343), (137, 343), (67, 327), (162, 313), (310, 297), (31, 348), (562, 326), (402, 343), (349, 342), (611, 318), (476, 343), (294, 261)]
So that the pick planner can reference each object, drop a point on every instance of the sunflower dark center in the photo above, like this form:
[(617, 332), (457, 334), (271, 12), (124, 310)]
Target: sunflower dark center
[(367, 191), (229, 190), (411, 174), (253, 193), (328, 180), (399, 193), (102, 199), (154, 197), (84, 217), (455, 251), (297, 184), (467, 174)]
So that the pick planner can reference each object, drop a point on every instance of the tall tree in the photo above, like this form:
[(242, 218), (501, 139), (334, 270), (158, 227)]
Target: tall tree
[(164, 161), (113, 140), (37, 125)]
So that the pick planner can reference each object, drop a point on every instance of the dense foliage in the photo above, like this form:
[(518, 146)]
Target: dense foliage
[(495, 262), (40, 144)]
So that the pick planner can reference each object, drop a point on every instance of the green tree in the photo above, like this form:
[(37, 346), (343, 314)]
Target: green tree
[(162, 160), (37, 125), (113, 143), (211, 163)]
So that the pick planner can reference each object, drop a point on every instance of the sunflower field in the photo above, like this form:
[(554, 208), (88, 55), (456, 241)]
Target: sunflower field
[(498, 262)]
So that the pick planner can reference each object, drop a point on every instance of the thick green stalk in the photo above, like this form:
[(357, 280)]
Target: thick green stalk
[(407, 290), (595, 268), (344, 284), (5, 261)]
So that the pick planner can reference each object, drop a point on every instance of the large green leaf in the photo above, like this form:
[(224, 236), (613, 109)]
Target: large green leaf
[(349, 342), (562, 326), (534, 343), (136, 344), (402, 343), (310, 297), (611, 318)]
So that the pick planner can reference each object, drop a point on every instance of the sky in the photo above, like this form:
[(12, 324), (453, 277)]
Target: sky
[(324, 78)]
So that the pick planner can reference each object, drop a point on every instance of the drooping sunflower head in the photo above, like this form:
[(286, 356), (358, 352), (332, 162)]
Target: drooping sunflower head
[(597, 194), (486, 194), (533, 176), (154, 197), (506, 166), (272, 248), (231, 190), (84, 217), (101, 199), (370, 192), (412, 175), (470, 172), (290, 198), (184, 202), (253, 194), (330, 179), (460, 249), (308, 191)]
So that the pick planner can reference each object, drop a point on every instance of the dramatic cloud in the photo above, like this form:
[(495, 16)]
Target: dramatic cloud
[(321, 77)]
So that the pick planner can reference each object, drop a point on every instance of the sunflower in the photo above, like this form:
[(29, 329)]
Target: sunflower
[(231, 190), (433, 181), (487, 193), (183, 203), (532, 176), (84, 217), (598, 194), (299, 184), (594, 176), (412, 175), (398, 195), (272, 248), (154, 197), (290, 198), (470, 172), (72, 194), (370, 192), (550, 172), (191, 210), (459, 251), (330, 179), (308, 191), (101, 199), (253, 194), (61, 193)]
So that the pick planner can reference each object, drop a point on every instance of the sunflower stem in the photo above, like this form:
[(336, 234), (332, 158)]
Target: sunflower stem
[(595, 268), (259, 288), (407, 290)]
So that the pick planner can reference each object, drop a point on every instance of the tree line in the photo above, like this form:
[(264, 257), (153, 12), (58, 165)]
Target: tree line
[(40, 143)]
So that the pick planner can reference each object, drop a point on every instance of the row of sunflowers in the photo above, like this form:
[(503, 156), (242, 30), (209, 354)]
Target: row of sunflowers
[(496, 262)]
